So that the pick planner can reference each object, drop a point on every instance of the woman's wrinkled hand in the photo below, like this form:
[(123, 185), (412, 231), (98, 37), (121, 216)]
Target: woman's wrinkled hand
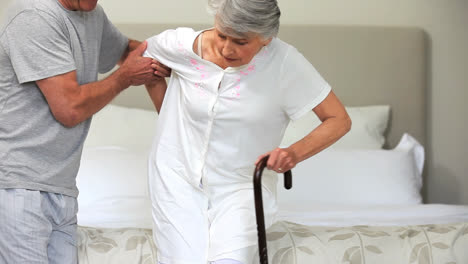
[(280, 160)]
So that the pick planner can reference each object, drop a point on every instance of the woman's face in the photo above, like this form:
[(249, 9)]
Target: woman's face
[(238, 51)]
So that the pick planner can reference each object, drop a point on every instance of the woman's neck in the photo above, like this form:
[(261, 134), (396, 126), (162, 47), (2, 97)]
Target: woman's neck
[(208, 50)]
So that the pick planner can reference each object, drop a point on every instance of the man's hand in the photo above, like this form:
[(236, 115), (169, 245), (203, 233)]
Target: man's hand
[(161, 70), (137, 70)]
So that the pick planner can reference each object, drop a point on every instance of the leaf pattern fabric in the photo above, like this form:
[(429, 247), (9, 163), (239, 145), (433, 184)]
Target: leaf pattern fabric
[(123, 245), (291, 243)]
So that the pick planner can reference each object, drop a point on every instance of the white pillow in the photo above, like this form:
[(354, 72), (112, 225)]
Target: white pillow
[(121, 126), (367, 130), (357, 177), (113, 188)]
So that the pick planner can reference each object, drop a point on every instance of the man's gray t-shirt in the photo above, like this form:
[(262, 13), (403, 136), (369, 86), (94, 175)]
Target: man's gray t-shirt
[(41, 39)]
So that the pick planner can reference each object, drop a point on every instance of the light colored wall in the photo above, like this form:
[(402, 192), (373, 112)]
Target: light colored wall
[(446, 24)]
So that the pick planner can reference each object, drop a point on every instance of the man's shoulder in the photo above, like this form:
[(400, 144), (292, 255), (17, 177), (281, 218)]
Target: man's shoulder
[(22, 9), (19, 6)]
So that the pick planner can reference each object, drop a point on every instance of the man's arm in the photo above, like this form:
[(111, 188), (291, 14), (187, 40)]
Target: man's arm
[(72, 103), (132, 45)]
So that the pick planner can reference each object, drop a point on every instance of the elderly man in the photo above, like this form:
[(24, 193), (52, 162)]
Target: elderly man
[(50, 54)]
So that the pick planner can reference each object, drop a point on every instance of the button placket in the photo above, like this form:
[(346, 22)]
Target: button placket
[(210, 127)]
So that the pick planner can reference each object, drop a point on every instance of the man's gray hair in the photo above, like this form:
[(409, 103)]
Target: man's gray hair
[(241, 17)]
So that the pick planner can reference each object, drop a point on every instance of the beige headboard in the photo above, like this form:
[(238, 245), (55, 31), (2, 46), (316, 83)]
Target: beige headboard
[(364, 65)]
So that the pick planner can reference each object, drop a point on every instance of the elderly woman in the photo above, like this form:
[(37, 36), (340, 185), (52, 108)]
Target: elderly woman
[(233, 90)]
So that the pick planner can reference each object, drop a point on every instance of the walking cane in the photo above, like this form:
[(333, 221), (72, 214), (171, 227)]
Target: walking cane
[(262, 246)]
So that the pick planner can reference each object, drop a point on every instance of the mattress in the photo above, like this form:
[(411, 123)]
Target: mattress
[(378, 215), (431, 233)]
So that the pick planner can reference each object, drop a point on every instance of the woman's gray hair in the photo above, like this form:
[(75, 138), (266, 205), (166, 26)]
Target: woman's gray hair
[(241, 17)]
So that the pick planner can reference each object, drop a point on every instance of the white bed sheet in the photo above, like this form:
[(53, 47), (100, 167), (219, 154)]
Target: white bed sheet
[(388, 215)]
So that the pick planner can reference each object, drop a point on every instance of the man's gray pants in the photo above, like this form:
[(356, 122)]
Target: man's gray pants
[(37, 227)]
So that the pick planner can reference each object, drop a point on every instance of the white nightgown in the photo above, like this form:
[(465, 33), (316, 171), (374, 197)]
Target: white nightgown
[(213, 125)]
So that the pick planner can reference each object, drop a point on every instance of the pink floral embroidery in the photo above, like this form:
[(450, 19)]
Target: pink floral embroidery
[(203, 75), (250, 69), (200, 68), (237, 88)]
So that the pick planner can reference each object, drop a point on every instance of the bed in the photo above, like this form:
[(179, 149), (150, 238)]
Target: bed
[(357, 202)]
